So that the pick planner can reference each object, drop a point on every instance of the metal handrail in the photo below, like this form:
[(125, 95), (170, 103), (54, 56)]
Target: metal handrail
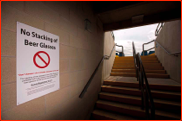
[(146, 44), (159, 27), (175, 54), (122, 49), (93, 74), (112, 34), (90, 80), (145, 91), (106, 56)]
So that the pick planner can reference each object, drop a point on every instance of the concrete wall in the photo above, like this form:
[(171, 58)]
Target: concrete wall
[(80, 52), (170, 38), (108, 46)]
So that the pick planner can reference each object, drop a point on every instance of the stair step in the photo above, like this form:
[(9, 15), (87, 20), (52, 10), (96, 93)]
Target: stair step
[(123, 67), (123, 70), (124, 61), (156, 75), (132, 61), (135, 111), (156, 71), (125, 57), (150, 56), (134, 100), (123, 64), (149, 75), (173, 96), (105, 115), (147, 59), (131, 58), (147, 67), (132, 64), (136, 85), (153, 56), (153, 67), (133, 70), (123, 74)]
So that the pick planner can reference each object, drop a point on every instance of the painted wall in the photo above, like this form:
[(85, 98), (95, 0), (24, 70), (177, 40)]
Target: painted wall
[(80, 52), (170, 38), (108, 46)]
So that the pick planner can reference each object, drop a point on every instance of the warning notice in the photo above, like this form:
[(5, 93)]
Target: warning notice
[(37, 63)]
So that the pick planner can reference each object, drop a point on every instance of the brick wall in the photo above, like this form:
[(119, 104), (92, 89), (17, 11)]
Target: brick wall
[(80, 52)]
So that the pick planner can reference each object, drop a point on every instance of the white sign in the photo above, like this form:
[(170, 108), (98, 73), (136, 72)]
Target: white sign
[(37, 63)]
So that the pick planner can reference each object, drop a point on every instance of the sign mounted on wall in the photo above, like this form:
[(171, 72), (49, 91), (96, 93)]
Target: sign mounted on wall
[(37, 63)]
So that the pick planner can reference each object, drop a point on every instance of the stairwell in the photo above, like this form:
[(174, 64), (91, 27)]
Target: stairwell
[(120, 97)]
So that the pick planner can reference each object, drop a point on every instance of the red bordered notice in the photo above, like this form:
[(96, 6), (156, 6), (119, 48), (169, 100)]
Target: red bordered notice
[(37, 63)]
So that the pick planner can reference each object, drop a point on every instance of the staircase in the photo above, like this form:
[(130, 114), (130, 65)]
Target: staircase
[(124, 66), (120, 97)]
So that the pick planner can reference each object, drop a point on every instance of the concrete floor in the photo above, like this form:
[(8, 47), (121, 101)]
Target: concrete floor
[(150, 80)]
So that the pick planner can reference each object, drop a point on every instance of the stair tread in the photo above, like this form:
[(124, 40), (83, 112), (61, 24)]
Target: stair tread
[(146, 73), (133, 67), (128, 61), (154, 64), (139, 98), (124, 72), (167, 114), (147, 59), (123, 69), (133, 58), (132, 74), (155, 84), (137, 108), (141, 56), (112, 115), (134, 64), (167, 92), (118, 87), (136, 89), (133, 70), (156, 74), (136, 82)]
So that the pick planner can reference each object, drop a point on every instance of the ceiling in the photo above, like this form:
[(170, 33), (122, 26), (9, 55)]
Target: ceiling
[(126, 14)]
